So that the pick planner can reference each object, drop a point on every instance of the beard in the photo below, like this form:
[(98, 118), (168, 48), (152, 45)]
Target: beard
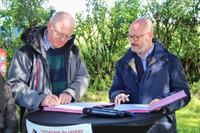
[(141, 48)]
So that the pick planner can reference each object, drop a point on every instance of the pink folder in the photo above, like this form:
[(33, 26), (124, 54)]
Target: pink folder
[(146, 108), (76, 107)]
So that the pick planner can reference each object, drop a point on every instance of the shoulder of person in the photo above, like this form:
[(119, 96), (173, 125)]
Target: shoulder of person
[(75, 49), (28, 50), (29, 33)]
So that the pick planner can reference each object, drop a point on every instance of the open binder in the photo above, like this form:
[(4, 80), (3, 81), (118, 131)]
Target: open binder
[(76, 107), (146, 108)]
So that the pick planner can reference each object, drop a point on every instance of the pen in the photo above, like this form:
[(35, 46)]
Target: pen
[(49, 92), (127, 96), (124, 97)]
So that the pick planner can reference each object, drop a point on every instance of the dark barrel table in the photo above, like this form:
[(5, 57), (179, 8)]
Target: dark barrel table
[(139, 123)]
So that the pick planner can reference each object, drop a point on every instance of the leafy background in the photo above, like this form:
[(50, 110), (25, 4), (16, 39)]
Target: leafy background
[(101, 37)]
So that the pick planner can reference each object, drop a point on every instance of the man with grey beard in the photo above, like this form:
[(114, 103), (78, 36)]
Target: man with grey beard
[(147, 73)]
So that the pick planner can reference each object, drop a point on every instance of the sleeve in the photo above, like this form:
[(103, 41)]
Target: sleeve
[(178, 82), (117, 85), (79, 83), (18, 79), (11, 114)]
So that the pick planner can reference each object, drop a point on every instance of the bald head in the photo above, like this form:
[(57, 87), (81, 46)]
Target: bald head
[(60, 29), (142, 25), (63, 16), (140, 36)]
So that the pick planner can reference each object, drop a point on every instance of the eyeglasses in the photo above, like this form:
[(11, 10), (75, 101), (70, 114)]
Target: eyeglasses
[(61, 35), (136, 38)]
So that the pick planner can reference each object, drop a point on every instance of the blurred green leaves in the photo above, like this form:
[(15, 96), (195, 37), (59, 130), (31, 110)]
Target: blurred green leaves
[(101, 35)]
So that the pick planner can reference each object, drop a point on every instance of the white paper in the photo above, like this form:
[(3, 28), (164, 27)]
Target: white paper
[(80, 128), (126, 107), (76, 107)]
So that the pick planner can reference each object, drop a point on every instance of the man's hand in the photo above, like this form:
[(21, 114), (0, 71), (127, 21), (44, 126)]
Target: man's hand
[(121, 98), (154, 101), (65, 98), (50, 100)]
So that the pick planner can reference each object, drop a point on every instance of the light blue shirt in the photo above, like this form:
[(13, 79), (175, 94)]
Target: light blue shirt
[(144, 61), (47, 44)]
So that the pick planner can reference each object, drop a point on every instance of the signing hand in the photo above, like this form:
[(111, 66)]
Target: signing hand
[(50, 100), (65, 98), (154, 101), (121, 98)]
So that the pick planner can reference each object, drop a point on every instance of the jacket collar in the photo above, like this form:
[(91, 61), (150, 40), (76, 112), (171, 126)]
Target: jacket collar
[(160, 50)]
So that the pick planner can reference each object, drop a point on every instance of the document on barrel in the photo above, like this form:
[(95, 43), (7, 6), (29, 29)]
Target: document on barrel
[(76, 107), (146, 108)]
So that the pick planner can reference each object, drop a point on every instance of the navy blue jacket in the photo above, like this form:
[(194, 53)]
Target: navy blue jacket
[(164, 76)]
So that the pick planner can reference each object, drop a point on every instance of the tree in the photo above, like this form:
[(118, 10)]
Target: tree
[(101, 35), (26, 13)]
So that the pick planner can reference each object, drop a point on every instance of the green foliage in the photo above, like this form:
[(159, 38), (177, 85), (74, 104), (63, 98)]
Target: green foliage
[(101, 84), (196, 87), (101, 36), (25, 13)]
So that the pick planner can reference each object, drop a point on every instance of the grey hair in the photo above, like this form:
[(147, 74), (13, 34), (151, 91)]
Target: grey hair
[(56, 15)]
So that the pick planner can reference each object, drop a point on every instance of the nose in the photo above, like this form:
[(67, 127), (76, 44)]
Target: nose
[(132, 41)]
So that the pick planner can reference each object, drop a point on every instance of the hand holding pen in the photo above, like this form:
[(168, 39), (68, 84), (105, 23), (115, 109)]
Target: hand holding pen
[(122, 97)]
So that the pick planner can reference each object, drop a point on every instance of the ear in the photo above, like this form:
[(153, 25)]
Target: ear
[(151, 35), (48, 25)]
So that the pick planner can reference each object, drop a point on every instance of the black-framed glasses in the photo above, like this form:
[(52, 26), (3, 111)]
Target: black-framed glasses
[(60, 35), (136, 38)]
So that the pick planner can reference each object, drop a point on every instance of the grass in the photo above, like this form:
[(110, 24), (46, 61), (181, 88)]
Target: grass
[(188, 118), (92, 96)]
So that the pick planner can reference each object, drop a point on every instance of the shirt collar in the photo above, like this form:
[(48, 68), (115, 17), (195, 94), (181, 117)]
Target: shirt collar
[(47, 44)]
